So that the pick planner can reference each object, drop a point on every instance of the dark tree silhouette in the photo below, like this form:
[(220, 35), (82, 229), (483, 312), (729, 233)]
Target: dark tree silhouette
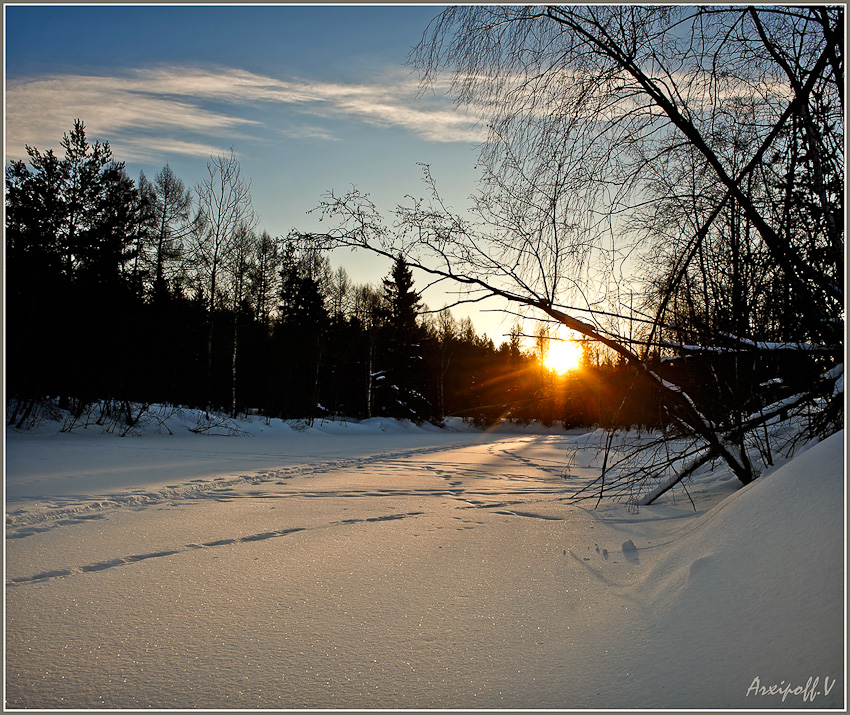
[(403, 372)]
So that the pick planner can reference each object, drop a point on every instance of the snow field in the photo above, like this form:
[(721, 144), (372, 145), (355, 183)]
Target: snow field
[(415, 569)]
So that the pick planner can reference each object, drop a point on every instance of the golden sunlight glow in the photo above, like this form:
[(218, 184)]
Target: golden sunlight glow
[(563, 356)]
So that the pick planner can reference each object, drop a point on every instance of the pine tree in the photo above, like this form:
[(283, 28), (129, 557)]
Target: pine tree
[(403, 387), (300, 337), (72, 231)]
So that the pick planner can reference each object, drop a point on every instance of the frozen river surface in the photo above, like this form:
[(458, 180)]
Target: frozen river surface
[(433, 571)]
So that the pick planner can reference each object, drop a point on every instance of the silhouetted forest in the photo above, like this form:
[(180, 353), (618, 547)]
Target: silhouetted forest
[(124, 293)]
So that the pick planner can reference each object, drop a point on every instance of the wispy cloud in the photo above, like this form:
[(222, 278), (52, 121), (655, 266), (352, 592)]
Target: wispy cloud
[(193, 111), (141, 148)]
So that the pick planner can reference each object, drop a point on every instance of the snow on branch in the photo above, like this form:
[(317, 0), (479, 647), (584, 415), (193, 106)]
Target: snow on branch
[(761, 345), (767, 345)]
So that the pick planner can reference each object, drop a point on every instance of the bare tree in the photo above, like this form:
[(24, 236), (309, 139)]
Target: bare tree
[(224, 212), (366, 309), (264, 276), (446, 330), (340, 293), (241, 258), (173, 208), (611, 128)]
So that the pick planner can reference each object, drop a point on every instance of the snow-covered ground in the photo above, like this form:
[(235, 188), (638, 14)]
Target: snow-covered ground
[(381, 565)]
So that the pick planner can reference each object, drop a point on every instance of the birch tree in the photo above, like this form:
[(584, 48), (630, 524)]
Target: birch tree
[(241, 258), (224, 209)]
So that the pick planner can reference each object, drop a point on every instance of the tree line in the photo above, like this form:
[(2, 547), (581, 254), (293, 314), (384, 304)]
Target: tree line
[(123, 293)]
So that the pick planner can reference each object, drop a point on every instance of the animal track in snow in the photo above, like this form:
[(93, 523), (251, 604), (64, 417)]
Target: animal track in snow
[(135, 558), (19, 519), (530, 515)]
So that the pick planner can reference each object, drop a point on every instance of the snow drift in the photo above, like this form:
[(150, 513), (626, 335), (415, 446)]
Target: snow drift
[(746, 607)]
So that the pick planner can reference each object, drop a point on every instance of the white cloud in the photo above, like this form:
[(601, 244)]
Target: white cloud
[(141, 148), (155, 110)]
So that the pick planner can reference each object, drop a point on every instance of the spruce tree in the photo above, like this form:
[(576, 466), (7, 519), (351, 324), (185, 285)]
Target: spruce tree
[(403, 383), (71, 234), (300, 337)]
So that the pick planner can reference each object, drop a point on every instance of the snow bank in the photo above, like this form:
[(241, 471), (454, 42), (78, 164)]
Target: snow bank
[(746, 609)]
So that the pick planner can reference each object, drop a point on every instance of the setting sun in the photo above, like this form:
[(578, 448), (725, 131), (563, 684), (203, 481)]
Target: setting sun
[(563, 356)]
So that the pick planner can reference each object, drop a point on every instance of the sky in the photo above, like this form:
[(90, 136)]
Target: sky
[(311, 98)]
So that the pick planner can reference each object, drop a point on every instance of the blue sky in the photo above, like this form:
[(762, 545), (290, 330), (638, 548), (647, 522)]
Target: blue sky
[(311, 98)]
